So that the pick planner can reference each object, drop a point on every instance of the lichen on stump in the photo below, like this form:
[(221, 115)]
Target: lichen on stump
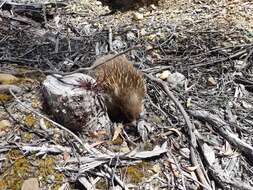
[(75, 107)]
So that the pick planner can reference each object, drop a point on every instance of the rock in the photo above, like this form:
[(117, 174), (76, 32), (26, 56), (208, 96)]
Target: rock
[(130, 36), (165, 75), (31, 184), (118, 43), (176, 79), (73, 106), (211, 81), (137, 16)]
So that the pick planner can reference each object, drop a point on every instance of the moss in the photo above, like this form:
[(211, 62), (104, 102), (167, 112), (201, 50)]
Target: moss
[(46, 167), (48, 125), (27, 137), (118, 140), (18, 170), (102, 184), (30, 120), (59, 178), (5, 97), (46, 170), (137, 173), (148, 146)]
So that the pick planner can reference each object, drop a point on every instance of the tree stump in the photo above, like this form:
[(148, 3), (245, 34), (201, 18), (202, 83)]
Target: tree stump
[(73, 106)]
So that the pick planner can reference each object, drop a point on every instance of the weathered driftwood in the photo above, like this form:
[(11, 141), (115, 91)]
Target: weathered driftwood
[(73, 106)]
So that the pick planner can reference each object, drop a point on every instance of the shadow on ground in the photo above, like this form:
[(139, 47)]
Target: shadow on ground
[(125, 5)]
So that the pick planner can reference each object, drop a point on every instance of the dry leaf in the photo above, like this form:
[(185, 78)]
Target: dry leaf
[(209, 154), (8, 79), (174, 169), (97, 134), (43, 124), (228, 150), (192, 168), (97, 143), (66, 156), (117, 131)]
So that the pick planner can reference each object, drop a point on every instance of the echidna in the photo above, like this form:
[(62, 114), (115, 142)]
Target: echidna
[(124, 88)]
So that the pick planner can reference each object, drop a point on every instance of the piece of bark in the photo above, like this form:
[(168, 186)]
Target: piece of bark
[(73, 106)]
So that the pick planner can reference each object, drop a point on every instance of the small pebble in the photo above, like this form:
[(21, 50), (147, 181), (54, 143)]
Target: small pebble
[(165, 75), (137, 16), (176, 79), (130, 36), (153, 7)]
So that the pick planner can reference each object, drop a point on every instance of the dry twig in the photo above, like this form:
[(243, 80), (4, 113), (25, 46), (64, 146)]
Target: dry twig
[(190, 128)]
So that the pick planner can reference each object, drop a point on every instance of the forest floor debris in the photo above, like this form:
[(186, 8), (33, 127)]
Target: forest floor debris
[(199, 129)]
